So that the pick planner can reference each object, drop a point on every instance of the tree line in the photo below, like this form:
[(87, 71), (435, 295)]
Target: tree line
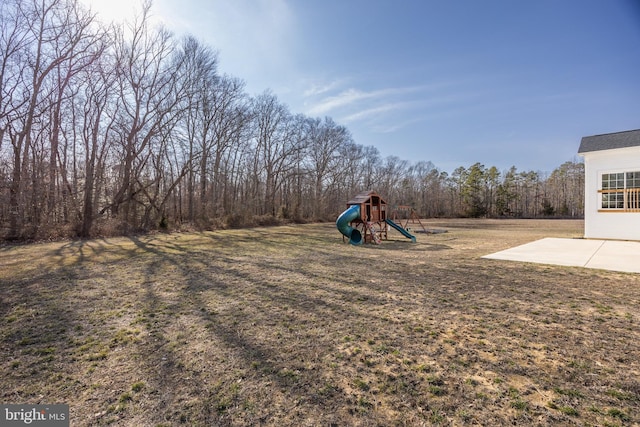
[(126, 128)]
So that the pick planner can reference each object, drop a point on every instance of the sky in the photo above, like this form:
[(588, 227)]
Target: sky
[(455, 82)]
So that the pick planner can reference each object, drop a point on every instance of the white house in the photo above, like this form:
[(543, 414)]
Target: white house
[(612, 185)]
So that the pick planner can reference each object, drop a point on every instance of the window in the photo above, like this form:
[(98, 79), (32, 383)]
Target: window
[(612, 180), (612, 200), (633, 179), (621, 191)]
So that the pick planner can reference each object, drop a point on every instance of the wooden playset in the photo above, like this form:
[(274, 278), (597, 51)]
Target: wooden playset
[(373, 213), (366, 221)]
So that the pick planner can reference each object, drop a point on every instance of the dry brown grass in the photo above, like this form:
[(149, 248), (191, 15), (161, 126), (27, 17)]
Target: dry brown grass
[(291, 326)]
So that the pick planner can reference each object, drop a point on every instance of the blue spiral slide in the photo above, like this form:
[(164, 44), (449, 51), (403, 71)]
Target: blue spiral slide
[(351, 214)]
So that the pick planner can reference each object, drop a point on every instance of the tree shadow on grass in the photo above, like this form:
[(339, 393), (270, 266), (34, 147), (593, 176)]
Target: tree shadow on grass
[(259, 359), (259, 329)]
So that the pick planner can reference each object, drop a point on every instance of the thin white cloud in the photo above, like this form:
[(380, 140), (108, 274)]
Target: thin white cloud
[(352, 96), (434, 105), (392, 109), (375, 112), (321, 88), (330, 103)]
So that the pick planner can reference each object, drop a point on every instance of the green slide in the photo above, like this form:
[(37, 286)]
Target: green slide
[(402, 231)]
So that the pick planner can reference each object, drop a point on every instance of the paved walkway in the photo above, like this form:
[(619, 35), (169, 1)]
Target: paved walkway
[(601, 254)]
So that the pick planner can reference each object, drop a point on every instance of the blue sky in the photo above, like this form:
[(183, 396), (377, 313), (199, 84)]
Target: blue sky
[(501, 82)]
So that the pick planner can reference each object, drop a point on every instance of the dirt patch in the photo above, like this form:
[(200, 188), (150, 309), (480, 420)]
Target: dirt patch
[(291, 326)]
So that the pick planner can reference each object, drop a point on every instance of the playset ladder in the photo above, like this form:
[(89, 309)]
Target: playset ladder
[(374, 234)]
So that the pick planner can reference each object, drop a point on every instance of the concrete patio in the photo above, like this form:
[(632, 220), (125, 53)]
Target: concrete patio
[(611, 255)]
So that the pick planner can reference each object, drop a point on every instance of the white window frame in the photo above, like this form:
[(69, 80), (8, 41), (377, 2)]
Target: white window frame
[(620, 191)]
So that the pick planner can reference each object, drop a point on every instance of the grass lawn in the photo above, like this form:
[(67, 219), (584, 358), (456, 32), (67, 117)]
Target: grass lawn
[(289, 326)]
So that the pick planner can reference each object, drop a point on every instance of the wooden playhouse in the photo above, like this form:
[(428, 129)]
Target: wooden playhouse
[(373, 215), (365, 220)]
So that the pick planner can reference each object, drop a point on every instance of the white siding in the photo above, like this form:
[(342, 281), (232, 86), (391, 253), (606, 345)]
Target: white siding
[(608, 225)]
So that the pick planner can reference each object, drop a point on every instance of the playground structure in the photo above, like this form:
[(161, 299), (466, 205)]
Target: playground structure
[(408, 215), (365, 220)]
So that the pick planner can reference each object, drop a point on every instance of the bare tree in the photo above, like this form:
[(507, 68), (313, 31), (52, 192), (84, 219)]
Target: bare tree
[(371, 163), (85, 47), (46, 42), (96, 110), (231, 120), (139, 131), (146, 79), (276, 147), (325, 138), (198, 76), (15, 39), (564, 190)]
